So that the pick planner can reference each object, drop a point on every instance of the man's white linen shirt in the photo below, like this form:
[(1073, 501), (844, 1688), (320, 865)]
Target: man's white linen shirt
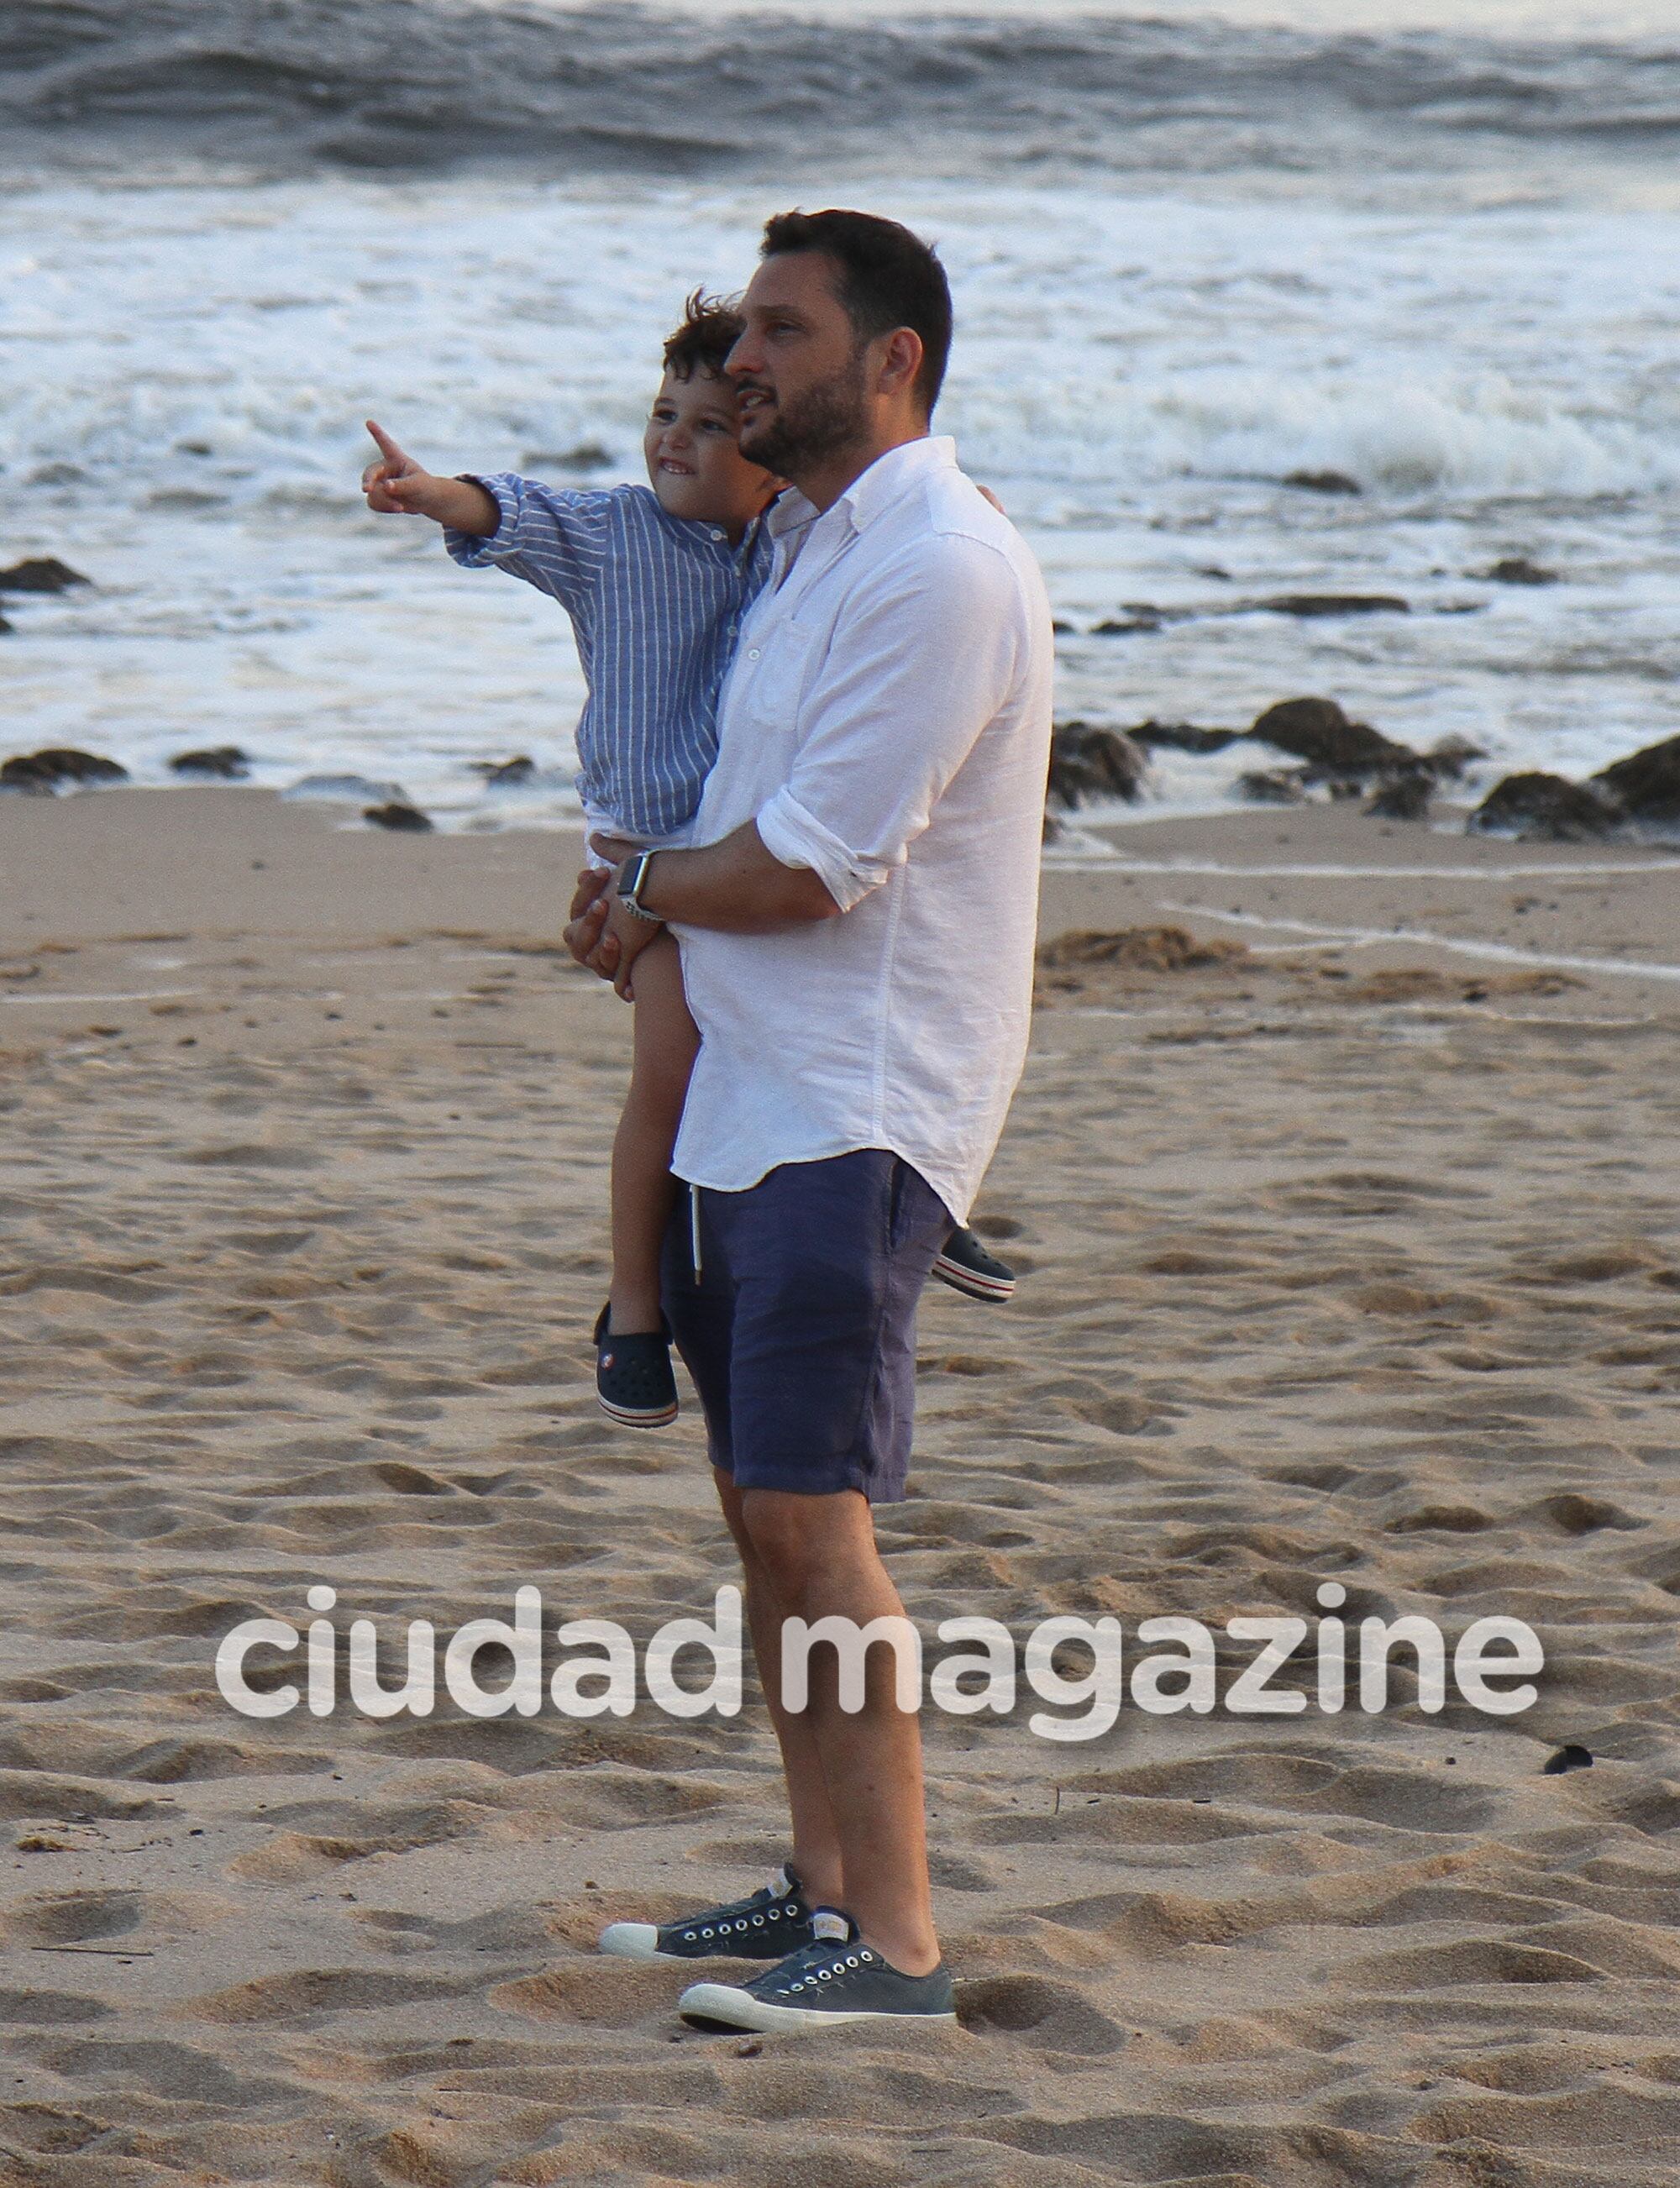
[(886, 722)]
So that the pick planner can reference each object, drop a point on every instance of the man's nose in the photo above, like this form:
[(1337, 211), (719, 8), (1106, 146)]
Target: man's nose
[(743, 359)]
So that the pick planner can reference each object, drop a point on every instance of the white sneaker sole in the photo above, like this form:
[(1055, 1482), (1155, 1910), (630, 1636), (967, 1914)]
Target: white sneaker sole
[(963, 1279), (632, 1941), (720, 2006), (628, 1419)]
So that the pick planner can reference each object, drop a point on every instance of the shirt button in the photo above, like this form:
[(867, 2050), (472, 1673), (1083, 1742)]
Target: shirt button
[(751, 653), (717, 535)]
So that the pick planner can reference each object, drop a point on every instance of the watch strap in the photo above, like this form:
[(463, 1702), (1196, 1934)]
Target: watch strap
[(631, 876)]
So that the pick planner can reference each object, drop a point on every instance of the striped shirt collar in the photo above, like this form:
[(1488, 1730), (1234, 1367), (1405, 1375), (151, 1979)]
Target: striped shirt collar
[(700, 536)]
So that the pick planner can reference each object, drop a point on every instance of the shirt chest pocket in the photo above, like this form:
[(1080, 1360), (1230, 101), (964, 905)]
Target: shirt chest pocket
[(778, 665)]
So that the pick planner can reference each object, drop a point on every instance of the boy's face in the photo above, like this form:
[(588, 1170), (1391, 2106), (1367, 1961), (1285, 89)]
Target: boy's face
[(694, 464)]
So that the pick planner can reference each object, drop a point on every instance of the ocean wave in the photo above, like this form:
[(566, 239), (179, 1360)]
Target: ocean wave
[(427, 83), (1476, 439), (1469, 438)]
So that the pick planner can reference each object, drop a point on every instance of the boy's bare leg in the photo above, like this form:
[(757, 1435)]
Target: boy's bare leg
[(666, 1042)]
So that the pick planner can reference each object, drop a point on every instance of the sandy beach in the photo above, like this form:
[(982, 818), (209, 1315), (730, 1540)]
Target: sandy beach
[(1343, 1259)]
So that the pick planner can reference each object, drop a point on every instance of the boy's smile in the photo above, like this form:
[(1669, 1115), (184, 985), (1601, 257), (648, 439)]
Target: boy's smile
[(693, 462)]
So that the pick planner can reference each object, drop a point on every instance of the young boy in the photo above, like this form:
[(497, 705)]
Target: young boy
[(655, 581)]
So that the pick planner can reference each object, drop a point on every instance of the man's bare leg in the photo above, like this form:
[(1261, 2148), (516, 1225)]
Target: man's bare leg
[(816, 1843), (816, 1558)]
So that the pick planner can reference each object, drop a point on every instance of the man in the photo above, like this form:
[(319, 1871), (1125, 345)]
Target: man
[(857, 928)]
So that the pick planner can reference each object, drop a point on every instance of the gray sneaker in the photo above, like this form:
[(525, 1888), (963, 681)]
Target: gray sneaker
[(829, 1983), (768, 1926)]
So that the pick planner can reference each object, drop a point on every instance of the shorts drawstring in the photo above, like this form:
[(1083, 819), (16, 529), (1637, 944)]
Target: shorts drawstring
[(694, 1230)]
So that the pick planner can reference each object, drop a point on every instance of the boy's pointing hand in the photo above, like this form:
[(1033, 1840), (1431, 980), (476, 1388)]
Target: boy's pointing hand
[(394, 485), (397, 486)]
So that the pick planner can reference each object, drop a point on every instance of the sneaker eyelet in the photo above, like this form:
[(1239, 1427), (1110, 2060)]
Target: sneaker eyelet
[(706, 1933), (851, 1959)]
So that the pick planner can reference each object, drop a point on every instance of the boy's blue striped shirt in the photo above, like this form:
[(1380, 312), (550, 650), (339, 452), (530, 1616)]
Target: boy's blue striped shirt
[(656, 602)]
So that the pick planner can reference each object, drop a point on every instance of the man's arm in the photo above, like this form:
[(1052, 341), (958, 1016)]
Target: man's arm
[(736, 886)]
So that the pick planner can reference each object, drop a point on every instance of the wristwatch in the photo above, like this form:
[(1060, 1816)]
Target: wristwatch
[(632, 875)]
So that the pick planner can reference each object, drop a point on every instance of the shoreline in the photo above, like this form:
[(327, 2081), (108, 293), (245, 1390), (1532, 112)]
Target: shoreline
[(1324, 881)]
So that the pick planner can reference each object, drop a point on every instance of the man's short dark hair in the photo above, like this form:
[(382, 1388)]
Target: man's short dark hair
[(887, 277), (711, 328)]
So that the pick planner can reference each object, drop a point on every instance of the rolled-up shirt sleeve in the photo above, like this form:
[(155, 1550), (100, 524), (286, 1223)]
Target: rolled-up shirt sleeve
[(930, 655), (553, 538)]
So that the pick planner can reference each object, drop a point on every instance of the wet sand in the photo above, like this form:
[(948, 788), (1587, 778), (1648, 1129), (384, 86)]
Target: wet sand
[(1342, 1258)]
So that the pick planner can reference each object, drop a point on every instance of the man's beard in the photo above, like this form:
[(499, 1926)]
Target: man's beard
[(822, 422)]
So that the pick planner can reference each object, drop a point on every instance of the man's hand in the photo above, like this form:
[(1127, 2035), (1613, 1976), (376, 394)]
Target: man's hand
[(397, 486)]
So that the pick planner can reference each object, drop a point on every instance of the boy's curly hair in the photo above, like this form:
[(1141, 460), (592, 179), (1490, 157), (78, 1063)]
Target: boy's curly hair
[(711, 328)]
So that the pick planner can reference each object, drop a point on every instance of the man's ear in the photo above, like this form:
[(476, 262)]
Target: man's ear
[(900, 361)]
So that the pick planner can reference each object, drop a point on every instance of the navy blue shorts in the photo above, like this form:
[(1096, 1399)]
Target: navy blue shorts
[(800, 1332)]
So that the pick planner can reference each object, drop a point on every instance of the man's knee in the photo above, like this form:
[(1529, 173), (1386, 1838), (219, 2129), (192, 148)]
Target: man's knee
[(800, 1540)]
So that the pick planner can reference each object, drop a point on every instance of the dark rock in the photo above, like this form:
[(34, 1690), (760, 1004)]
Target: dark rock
[(223, 763), (408, 817), (1272, 786), (1318, 730), (1570, 1757), (1061, 629), (507, 774), (587, 456), (1183, 736), (41, 573), (76, 766), (1405, 797), (1647, 783), (1310, 605), (1449, 756), (1323, 481), (1518, 570), (1087, 762), (5, 626), (57, 763), (1544, 808), (28, 777), (1215, 571), (1135, 618)]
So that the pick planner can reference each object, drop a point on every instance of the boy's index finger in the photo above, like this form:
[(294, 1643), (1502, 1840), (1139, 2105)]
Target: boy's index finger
[(387, 446)]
